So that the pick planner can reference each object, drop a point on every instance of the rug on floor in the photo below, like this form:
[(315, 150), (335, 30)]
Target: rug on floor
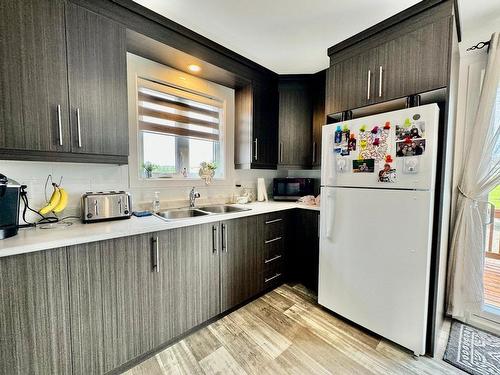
[(473, 350)]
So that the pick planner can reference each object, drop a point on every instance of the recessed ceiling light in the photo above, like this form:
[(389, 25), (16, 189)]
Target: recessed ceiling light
[(194, 68)]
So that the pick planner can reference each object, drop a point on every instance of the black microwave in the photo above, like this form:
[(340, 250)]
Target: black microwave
[(291, 189)]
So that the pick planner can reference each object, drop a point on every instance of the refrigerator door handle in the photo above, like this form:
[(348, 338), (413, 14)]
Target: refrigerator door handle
[(330, 215)]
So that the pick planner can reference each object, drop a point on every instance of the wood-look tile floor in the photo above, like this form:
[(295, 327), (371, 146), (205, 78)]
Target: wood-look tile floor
[(286, 332)]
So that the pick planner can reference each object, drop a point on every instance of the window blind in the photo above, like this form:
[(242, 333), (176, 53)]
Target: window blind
[(178, 115)]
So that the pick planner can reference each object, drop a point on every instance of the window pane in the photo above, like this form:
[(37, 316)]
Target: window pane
[(159, 149), (200, 151)]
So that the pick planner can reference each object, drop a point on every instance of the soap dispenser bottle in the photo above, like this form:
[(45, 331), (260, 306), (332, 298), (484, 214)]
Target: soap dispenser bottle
[(156, 202)]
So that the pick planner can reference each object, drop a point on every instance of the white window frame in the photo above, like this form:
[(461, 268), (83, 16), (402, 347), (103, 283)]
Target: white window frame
[(139, 67)]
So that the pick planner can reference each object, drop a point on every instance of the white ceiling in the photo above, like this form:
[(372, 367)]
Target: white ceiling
[(293, 36)]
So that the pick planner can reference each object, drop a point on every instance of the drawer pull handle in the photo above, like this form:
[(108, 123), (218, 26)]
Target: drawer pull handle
[(273, 221), (272, 259), (273, 240), (266, 280)]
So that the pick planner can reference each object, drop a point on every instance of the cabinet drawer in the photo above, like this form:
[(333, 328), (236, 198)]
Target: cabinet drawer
[(274, 274), (273, 250), (274, 226)]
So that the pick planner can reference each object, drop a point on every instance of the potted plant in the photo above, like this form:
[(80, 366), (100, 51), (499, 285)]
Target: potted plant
[(207, 171), (149, 168)]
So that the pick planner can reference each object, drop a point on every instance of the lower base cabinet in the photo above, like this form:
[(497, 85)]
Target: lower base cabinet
[(91, 308), (34, 314)]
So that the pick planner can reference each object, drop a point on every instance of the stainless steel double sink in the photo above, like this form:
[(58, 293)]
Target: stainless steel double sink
[(188, 213)]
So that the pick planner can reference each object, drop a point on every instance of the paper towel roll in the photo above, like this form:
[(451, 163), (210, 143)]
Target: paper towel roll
[(261, 190)]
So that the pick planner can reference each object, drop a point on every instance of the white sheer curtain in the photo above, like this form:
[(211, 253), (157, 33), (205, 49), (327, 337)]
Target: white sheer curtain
[(481, 174)]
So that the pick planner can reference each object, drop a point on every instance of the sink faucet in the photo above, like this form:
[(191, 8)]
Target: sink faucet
[(193, 194)]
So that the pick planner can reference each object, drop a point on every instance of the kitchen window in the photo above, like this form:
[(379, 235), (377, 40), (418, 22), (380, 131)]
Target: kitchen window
[(178, 129)]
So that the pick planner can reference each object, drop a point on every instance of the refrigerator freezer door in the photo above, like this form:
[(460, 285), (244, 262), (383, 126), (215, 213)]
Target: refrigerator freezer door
[(409, 172), (374, 260)]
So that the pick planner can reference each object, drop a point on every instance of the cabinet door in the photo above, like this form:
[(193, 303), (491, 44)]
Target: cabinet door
[(265, 126), (190, 264), (97, 83), (240, 261), (33, 78), (34, 314), (304, 260), (350, 82), (295, 124), (113, 292), (415, 62), (319, 117)]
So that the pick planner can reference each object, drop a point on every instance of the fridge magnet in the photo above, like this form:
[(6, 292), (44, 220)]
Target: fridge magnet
[(344, 150), (414, 130), (363, 166), (338, 135), (388, 159), (352, 142), (342, 165), (387, 125), (362, 128), (374, 144), (387, 174), (337, 150), (413, 147), (410, 166), (345, 135)]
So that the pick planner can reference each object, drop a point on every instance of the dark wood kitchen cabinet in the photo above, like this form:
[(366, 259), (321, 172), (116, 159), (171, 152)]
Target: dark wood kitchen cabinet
[(189, 273), (33, 78), (241, 261), (273, 243), (34, 314), (295, 122), (64, 83), (114, 294), (97, 83), (408, 58), (256, 126)]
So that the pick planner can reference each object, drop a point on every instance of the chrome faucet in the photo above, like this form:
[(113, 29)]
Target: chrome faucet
[(193, 194)]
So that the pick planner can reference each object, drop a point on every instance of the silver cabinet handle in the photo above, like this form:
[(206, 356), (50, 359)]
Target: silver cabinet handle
[(314, 152), (380, 72), (369, 84), (273, 240), (156, 254), (224, 238), (281, 152), (59, 124), (266, 280), (96, 208), (79, 127), (256, 142), (273, 221), (272, 259), (215, 239)]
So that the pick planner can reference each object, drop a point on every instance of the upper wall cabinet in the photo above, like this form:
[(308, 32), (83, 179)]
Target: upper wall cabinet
[(63, 84), (97, 83), (295, 122), (256, 126), (33, 78), (406, 59)]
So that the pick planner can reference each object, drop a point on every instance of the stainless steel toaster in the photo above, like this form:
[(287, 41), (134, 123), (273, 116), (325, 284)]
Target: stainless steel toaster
[(109, 205)]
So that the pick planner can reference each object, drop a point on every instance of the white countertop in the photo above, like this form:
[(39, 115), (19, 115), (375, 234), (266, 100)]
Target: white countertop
[(36, 239)]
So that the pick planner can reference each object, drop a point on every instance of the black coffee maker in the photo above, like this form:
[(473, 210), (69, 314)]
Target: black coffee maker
[(9, 207)]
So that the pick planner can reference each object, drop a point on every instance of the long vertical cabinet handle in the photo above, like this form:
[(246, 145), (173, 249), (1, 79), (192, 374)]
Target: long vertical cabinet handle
[(224, 238), (79, 127), (369, 84), (281, 152), (156, 254), (380, 72), (314, 152), (256, 142), (330, 216), (215, 239), (59, 125)]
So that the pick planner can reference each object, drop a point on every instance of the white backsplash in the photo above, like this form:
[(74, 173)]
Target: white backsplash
[(79, 178)]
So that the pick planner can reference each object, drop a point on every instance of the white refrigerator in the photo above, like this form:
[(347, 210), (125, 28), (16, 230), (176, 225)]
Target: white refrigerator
[(377, 200)]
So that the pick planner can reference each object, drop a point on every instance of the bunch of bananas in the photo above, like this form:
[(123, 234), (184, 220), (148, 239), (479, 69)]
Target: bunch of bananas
[(57, 202)]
